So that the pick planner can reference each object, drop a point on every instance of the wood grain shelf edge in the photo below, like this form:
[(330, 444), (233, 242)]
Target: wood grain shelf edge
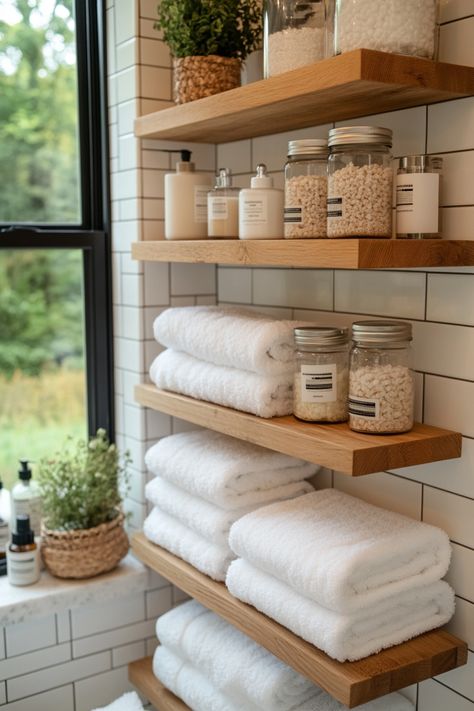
[(140, 673), (352, 683)]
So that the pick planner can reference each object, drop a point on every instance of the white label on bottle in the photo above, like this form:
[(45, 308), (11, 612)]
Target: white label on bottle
[(335, 208), (294, 214), (255, 210), (31, 508), (418, 203), (200, 203), (368, 409), (218, 208), (318, 383), (23, 568)]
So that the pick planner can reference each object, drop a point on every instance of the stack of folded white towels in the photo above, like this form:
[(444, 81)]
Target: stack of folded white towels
[(229, 356), (204, 482), (212, 666), (349, 577)]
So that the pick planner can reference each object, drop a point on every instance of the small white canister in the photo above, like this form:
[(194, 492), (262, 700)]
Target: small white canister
[(418, 188)]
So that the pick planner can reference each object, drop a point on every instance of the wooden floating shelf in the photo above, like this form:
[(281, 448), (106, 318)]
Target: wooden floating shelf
[(352, 683), (312, 253), (332, 446), (140, 673), (354, 84)]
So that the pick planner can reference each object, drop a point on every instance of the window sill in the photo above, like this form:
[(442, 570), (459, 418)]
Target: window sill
[(49, 595)]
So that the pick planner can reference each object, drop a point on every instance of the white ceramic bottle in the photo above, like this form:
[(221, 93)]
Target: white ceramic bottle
[(26, 498), (261, 208), (186, 201)]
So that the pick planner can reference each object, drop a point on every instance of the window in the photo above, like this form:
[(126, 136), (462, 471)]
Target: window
[(55, 325)]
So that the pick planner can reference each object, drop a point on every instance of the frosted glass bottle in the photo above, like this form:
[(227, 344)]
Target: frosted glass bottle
[(261, 208), (223, 208), (186, 202)]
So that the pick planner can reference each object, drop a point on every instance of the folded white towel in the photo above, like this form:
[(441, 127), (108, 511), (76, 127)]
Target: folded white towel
[(340, 551), (230, 336), (343, 637), (231, 661), (265, 396), (202, 517), (167, 532), (226, 471), (127, 702)]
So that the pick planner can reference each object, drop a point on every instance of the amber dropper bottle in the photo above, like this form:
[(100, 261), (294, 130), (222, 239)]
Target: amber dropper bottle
[(23, 560)]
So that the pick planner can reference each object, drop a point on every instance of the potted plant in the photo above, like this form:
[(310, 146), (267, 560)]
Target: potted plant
[(83, 533), (208, 39)]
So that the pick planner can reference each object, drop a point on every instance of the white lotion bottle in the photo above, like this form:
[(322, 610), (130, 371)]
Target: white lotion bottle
[(26, 498), (261, 208), (186, 200)]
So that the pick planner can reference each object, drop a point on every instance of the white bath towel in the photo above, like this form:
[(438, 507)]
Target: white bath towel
[(226, 471), (265, 396), (127, 702), (230, 336), (343, 637), (340, 551), (167, 532), (231, 661), (189, 684), (202, 517)]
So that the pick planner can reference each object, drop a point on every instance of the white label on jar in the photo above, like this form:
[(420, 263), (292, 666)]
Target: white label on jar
[(200, 203), (23, 568), (31, 508), (418, 203), (294, 214), (318, 383), (255, 210), (368, 408), (218, 208), (335, 208)]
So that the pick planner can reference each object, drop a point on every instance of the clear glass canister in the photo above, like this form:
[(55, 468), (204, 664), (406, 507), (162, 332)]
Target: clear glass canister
[(223, 207), (397, 26), (294, 34), (418, 188), (381, 383), (321, 383), (306, 189), (360, 182)]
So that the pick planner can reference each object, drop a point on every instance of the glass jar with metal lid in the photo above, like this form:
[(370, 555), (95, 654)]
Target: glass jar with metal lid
[(418, 187), (360, 182), (381, 382), (321, 380), (306, 188)]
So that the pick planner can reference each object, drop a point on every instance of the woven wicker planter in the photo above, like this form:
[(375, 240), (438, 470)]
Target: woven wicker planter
[(86, 552), (196, 77)]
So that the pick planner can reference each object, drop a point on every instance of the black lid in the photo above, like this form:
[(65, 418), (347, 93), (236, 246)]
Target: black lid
[(25, 472), (23, 535), (1, 484)]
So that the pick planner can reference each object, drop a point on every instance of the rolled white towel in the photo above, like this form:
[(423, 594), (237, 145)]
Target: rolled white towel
[(343, 637), (340, 551), (231, 661), (169, 533), (127, 702), (229, 336), (202, 517), (265, 396), (226, 471)]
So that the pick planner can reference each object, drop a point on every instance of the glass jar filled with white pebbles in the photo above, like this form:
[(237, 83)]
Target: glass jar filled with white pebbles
[(397, 26), (360, 182), (306, 188), (321, 383), (381, 381)]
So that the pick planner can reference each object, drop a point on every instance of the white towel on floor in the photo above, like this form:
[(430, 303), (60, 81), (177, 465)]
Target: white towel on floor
[(340, 551), (230, 336), (127, 702), (343, 637), (167, 532), (265, 396), (231, 661), (202, 517), (226, 471)]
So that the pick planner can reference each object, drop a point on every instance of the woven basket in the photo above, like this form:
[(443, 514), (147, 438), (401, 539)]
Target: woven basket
[(197, 77), (86, 552)]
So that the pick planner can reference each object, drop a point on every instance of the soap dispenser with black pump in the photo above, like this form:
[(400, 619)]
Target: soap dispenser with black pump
[(23, 556), (26, 498)]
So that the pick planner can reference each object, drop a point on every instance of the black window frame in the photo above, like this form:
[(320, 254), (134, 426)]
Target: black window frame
[(92, 236)]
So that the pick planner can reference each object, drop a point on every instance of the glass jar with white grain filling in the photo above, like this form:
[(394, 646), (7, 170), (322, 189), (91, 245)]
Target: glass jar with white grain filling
[(306, 188), (321, 380), (381, 381), (360, 182)]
